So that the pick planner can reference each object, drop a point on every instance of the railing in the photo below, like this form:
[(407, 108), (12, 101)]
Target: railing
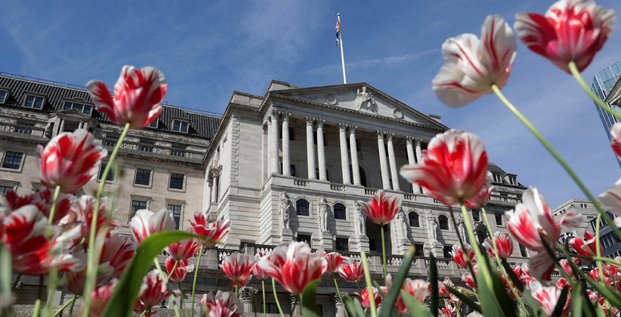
[(409, 196), (337, 187), (370, 191), (20, 128), (148, 147), (300, 182)]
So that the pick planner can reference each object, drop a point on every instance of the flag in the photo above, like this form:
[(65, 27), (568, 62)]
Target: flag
[(338, 30)]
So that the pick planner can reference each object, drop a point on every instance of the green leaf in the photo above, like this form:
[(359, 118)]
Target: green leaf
[(560, 304), (433, 272), (393, 293), (307, 298), (6, 275), (514, 278), (126, 292), (604, 290), (414, 306), (576, 301), (494, 301), (353, 307), (465, 299)]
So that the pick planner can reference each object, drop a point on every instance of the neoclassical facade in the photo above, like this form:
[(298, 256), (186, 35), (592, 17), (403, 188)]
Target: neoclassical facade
[(289, 165)]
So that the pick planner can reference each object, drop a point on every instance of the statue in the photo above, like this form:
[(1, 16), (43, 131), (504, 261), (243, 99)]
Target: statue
[(285, 210), (403, 225), (461, 227), (359, 219), (432, 228), (322, 210), (365, 100)]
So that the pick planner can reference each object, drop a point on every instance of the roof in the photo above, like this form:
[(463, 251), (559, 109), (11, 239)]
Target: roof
[(55, 94)]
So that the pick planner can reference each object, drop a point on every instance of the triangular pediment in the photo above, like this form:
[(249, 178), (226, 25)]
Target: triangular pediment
[(363, 98)]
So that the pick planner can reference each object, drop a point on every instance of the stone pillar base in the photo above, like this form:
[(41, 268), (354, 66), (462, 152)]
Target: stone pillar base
[(325, 241), (286, 236), (360, 243), (404, 246), (435, 249)]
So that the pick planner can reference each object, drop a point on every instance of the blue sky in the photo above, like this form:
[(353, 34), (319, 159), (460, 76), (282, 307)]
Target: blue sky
[(208, 49)]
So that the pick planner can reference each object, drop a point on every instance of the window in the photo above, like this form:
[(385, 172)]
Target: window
[(153, 124), (12, 160), (340, 211), (476, 215), (176, 211), (498, 219), (143, 177), (34, 102), (341, 244), (443, 222), (413, 217), (110, 177), (138, 204), (292, 170), (301, 208), (5, 189), (85, 109), (3, 95), (176, 181), (418, 249), (24, 127), (523, 250), (291, 134), (447, 251), (180, 126), (304, 238)]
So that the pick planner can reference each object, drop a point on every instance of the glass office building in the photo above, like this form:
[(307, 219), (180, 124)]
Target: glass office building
[(601, 85)]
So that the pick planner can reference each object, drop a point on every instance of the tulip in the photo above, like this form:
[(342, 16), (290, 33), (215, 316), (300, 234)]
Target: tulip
[(238, 268), (351, 271), (145, 223), (612, 198), (183, 250), (469, 280), (257, 272), (212, 232), (294, 266), (586, 246), (482, 197), (454, 167), (100, 297), (334, 260), (42, 199), (503, 243), (222, 304), (70, 160), (383, 208), (364, 297), (181, 269), (154, 291), (419, 289), (570, 31), (615, 136), (462, 258), (81, 214), (548, 297), (472, 66), (137, 95)]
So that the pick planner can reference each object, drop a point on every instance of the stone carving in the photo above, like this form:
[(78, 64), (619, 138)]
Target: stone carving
[(461, 227), (331, 100), (322, 210), (432, 228), (403, 225), (397, 113), (359, 219), (365, 100), (286, 207)]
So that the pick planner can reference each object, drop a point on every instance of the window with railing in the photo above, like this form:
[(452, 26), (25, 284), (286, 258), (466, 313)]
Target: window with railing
[(341, 244), (177, 150), (146, 145), (5, 189), (24, 127)]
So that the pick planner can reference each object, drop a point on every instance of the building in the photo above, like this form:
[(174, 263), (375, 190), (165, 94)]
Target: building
[(610, 245), (288, 165), (602, 85)]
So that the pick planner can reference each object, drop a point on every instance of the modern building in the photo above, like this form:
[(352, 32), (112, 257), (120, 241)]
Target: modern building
[(288, 165), (602, 84)]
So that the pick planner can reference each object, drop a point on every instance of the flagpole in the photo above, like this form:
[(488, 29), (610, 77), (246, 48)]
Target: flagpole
[(338, 16)]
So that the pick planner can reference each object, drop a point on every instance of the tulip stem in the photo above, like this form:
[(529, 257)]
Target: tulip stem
[(573, 69), (264, 304), (171, 271), (37, 308), (198, 263), (338, 292), (369, 282), (61, 309), (276, 298), (565, 166), (383, 250), (53, 208), (93, 252), (236, 289), (72, 305), (17, 279), (462, 243), (491, 235), (485, 270), (53, 274)]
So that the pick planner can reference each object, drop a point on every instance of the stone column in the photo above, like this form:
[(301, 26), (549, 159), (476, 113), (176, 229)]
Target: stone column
[(214, 189), (207, 193), (411, 161), (340, 309), (355, 166), (295, 311), (274, 143), (419, 158), (245, 296), (310, 149), (265, 149), (393, 164), (382, 159), (286, 165), (321, 154), (344, 158)]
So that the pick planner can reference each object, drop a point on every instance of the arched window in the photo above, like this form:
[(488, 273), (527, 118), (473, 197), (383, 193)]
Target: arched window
[(340, 212), (301, 207), (443, 222), (413, 217)]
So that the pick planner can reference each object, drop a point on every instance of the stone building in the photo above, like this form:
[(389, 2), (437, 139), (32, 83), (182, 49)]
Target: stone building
[(288, 165)]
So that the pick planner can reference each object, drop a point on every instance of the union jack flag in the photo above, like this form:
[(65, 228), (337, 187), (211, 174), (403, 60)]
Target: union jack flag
[(338, 30)]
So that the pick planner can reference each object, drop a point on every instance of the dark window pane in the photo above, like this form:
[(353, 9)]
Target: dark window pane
[(418, 251), (301, 207), (176, 181), (12, 160), (443, 222), (143, 176), (341, 244), (414, 221), (110, 176), (137, 205), (3, 95), (498, 219), (176, 211), (340, 212), (447, 251), (4, 189), (304, 238), (475, 215)]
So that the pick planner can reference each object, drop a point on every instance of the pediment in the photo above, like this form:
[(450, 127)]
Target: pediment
[(362, 98)]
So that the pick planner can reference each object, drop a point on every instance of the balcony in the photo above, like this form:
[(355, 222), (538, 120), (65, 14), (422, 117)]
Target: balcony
[(25, 131), (153, 150)]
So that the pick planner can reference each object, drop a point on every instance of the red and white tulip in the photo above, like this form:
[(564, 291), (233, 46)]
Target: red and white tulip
[(473, 65), (454, 167), (181, 269), (153, 292), (615, 139), (211, 232), (547, 297), (238, 268), (503, 243), (100, 297), (364, 298), (137, 96), (294, 266), (42, 199), (570, 31), (334, 260), (145, 223), (461, 257), (382, 208), (183, 250), (351, 271), (221, 304), (70, 160), (586, 246), (612, 200)]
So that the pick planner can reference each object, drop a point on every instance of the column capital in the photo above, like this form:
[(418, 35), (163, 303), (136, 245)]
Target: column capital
[(309, 120), (286, 115), (380, 134), (320, 122), (408, 138), (389, 135), (342, 126)]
